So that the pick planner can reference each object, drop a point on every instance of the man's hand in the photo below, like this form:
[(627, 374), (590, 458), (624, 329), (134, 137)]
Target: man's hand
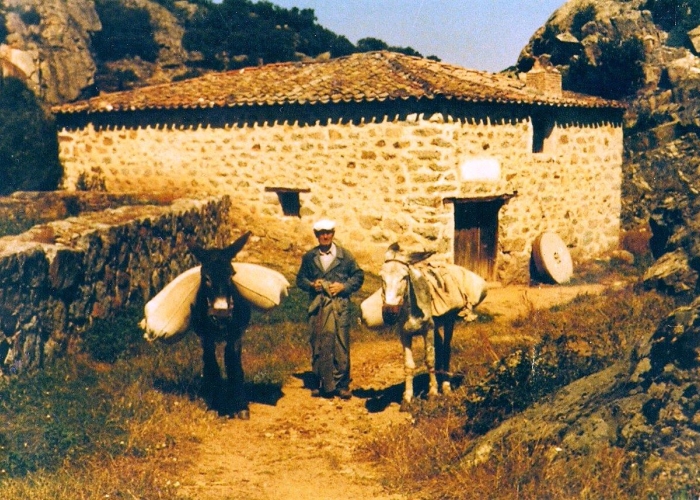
[(335, 288), (318, 285)]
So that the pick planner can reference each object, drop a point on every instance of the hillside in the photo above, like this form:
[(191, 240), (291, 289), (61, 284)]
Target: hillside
[(71, 50)]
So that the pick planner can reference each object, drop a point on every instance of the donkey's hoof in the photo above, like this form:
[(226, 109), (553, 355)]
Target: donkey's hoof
[(446, 388), (405, 406)]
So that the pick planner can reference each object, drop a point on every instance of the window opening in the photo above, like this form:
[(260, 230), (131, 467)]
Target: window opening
[(542, 128), (289, 200)]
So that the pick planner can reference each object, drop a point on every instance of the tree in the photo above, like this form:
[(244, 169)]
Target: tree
[(28, 142), (126, 32), (617, 74)]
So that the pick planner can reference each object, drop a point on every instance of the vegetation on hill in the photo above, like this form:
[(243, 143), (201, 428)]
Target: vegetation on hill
[(28, 142), (239, 33)]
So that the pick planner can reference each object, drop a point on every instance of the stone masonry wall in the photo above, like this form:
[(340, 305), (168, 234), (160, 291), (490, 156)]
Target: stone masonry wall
[(382, 180), (57, 277)]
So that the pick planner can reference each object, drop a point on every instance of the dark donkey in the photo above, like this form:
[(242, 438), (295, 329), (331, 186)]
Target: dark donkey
[(221, 314)]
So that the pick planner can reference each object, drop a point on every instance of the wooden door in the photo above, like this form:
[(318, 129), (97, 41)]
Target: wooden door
[(476, 236)]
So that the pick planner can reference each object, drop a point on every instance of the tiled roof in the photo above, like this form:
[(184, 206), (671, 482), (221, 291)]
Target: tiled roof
[(364, 77)]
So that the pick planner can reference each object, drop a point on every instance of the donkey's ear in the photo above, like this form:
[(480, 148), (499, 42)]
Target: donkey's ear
[(415, 257), (392, 252), (235, 247), (199, 252)]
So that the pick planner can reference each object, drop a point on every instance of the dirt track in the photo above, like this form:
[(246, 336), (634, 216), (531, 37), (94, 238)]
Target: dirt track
[(303, 447)]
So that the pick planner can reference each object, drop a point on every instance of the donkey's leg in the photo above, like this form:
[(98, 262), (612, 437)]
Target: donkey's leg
[(429, 341), (409, 367), (439, 351), (448, 327), (211, 373), (236, 380)]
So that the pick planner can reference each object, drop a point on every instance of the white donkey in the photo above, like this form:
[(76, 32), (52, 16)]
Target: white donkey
[(406, 305)]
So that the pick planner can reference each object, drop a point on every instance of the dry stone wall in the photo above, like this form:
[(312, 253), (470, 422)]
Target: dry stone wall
[(59, 276), (383, 179)]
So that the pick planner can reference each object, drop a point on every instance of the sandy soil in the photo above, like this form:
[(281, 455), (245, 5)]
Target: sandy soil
[(304, 448)]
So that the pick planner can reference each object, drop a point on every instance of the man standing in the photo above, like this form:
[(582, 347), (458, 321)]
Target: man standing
[(330, 274)]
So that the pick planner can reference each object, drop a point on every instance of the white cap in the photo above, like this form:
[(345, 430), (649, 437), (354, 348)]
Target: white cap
[(324, 225)]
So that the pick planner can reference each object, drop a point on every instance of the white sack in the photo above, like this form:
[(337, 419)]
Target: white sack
[(167, 315), (371, 309), (264, 288)]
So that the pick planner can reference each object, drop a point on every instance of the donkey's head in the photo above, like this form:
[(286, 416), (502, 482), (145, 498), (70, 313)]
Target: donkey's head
[(397, 278), (217, 290)]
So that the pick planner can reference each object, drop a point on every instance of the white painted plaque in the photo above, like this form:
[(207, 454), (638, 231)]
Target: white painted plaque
[(480, 169)]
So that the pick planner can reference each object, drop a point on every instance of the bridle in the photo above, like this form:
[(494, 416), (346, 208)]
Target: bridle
[(390, 313)]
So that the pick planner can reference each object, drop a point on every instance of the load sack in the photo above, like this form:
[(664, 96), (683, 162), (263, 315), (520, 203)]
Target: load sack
[(167, 315), (371, 309), (451, 287), (264, 288), (454, 287)]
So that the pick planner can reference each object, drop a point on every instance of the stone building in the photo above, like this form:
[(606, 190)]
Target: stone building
[(470, 164)]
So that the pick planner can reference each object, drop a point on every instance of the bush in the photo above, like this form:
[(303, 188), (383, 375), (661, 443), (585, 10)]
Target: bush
[(126, 32), (582, 16), (110, 339), (28, 142), (30, 17), (617, 74), (671, 14), (3, 27)]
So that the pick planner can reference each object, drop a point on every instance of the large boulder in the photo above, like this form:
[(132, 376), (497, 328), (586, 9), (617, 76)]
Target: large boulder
[(54, 56)]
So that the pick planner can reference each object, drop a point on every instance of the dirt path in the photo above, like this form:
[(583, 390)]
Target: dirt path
[(303, 447)]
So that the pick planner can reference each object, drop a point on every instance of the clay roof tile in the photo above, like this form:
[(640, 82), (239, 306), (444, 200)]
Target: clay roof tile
[(358, 77)]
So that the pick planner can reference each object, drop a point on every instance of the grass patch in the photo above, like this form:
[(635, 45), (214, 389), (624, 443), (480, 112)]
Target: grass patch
[(564, 343), (116, 420)]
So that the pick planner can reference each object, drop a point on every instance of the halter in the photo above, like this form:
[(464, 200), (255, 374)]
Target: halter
[(411, 301)]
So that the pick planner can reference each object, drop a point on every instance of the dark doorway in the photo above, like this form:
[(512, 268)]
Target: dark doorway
[(476, 235)]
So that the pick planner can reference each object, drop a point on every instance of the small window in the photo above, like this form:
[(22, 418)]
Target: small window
[(542, 128), (289, 200)]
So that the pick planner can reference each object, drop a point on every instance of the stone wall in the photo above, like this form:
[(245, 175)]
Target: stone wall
[(59, 276), (383, 179)]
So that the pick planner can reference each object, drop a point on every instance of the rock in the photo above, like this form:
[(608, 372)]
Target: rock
[(671, 273), (646, 404)]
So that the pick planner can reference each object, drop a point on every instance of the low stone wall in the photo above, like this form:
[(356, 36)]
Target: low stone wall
[(39, 207), (59, 276)]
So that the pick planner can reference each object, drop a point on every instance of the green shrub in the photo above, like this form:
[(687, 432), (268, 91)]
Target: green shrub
[(618, 72), (126, 32), (30, 17), (3, 27), (671, 14), (93, 181), (110, 339), (609, 323), (28, 142), (582, 16)]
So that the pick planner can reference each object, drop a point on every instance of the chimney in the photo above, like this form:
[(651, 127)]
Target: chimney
[(544, 78)]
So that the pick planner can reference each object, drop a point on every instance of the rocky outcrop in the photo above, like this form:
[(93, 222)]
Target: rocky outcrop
[(53, 53), (661, 112), (646, 404)]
